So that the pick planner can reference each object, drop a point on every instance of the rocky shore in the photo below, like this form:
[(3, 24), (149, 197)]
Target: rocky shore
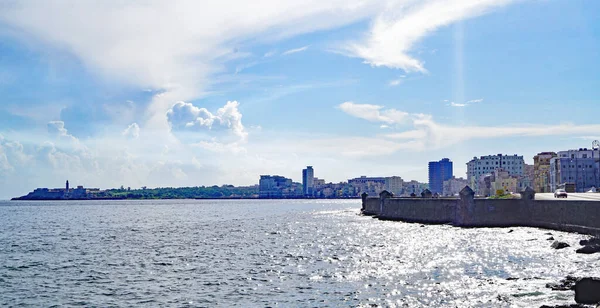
[(586, 289)]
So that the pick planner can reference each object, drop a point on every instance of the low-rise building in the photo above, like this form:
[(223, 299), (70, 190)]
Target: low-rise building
[(394, 184), (575, 167), (503, 182), (414, 187), (371, 185), (541, 172), (453, 186), (277, 187)]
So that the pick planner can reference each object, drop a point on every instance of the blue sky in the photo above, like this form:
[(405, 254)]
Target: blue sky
[(199, 93)]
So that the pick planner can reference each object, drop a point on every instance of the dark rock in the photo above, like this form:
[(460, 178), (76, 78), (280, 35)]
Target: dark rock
[(589, 249), (550, 238), (512, 278), (591, 241), (587, 291), (565, 284), (511, 231), (560, 245), (564, 306), (548, 233)]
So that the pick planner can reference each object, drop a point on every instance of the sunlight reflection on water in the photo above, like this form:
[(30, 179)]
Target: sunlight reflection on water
[(269, 253)]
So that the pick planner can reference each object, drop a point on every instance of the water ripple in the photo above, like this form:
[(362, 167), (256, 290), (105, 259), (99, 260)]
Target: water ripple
[(268, 254)]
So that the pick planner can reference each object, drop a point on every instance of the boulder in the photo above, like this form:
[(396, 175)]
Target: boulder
[(587, 291), (589, 249), (591, 241), (550, 238), (560, 245), (564, 285)]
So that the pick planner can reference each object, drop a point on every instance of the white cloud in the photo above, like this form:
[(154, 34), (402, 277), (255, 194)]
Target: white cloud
[(269, 54), (132, 131), (186, 116), (479, 100), (394, 32), (428, 134), (5, 166), (395, 82), (57, 128), (374, 113), (468, 103), (296, 50)]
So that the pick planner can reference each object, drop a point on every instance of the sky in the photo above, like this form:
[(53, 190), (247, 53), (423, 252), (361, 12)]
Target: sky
[(191, 93)]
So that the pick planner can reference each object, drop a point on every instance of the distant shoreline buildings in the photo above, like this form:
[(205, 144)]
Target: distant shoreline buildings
[(574, 170), (275, 186), (439, 171), (65, 193)]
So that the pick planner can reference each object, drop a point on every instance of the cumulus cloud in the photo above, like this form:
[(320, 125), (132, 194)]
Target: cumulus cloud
[(374, 113), (5, 166), (186, 116), (395, 31), (57, 128), (132, 131), (12, 156)]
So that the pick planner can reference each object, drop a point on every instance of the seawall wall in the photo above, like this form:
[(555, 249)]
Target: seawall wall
[(570, 216)]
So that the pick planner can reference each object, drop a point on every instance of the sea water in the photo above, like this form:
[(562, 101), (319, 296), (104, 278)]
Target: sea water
[(269, 253)]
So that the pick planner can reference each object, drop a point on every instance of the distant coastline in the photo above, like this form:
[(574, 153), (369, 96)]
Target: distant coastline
[(225, 192)]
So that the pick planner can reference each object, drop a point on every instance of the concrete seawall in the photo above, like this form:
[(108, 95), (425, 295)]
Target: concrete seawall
[(570, 216)]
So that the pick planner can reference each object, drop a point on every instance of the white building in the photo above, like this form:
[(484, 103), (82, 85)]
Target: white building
[(483, 165), (579, 167)]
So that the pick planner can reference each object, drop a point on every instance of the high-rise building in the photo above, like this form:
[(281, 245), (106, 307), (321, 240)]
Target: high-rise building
[(541, 171), (308, 181), (439, 171), (579, 167)]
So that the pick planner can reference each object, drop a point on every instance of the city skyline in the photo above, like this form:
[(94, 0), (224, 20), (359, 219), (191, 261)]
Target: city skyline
[(220, 96)]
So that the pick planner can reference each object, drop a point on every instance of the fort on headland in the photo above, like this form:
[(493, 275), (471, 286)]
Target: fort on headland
[(468, 211), (66, 193)]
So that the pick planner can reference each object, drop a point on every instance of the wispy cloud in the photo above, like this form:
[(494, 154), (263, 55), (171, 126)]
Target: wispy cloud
[(473, 101), (295, 50), (479, 100), (374, 113), (429, 134), (269, 54), (395, 31)]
